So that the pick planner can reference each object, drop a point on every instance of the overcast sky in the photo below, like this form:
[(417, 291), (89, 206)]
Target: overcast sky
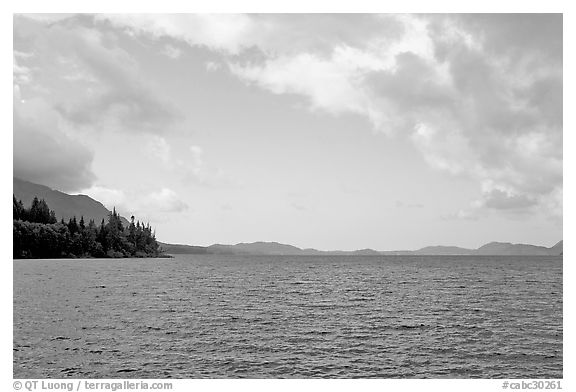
[(325, 131)]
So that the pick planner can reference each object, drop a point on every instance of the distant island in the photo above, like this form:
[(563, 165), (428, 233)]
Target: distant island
[(66, 207)]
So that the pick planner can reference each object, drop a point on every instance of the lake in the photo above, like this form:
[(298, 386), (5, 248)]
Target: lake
[(209, 316)]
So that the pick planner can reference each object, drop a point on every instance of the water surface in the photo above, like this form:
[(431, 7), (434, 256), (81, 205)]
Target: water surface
[(207, 316)]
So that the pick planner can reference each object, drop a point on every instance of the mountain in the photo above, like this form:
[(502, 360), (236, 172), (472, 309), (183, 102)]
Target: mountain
[(508, 249), (267, 248), (366, 252), (558, 248), (275, 248), (443, 251), (179, 249), (64, 205)]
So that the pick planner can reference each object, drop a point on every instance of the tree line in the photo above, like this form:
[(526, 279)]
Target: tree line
[(38, 234)]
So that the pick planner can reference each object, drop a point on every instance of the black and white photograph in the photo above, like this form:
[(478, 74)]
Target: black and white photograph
[(286, 196)]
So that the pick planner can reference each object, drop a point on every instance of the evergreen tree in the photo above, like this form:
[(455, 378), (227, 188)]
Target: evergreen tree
[(18, 211), (36, 234), (73, 226), (39, 211), (102, 236)]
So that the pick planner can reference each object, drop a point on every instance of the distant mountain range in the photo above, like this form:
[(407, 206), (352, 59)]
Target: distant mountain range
[(66, 206), (275, 248)]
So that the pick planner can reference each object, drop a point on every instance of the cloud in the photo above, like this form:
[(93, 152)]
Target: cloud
[(153, 205), (507, 109), (190, 166), (225, 32), (43, 152), (22, 74), (328, 83), (196, 154), (165, 200), (212, 66), (70, 78), (474, 103), (172, 52), (479, 95), (107, 90), (401, 204), (111, 198), (501, 200), (159, 148), (48, 18), (194, 170)]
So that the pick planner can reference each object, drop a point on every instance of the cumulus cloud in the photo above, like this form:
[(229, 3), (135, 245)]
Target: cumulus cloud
[(328, 83), (190, 166), (172, 52), (43, 152), (226, 32), (212, 66), (159, 148), (502, 200), (108, 89), (478, 95), (272, 33), (164, 200), (68, 78), (506, 108), (21, 73), (154, 205)]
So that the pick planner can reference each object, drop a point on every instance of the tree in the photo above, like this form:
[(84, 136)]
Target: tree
[(102, 236), (36, 234), (18, 211), (73, 226), (39, 211)]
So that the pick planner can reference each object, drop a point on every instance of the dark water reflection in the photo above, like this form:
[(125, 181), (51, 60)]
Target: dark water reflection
[(231, 317)]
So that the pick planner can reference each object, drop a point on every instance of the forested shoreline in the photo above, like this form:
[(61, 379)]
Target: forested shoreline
[(38, 234)]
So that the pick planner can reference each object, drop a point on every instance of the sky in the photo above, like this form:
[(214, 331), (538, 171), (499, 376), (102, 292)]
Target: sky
[(331, 131)]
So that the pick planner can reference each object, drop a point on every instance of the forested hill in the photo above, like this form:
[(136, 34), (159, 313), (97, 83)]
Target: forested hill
[(65, 206), (37, 233)]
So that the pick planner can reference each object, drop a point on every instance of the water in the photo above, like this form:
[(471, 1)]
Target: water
[(203, 316)]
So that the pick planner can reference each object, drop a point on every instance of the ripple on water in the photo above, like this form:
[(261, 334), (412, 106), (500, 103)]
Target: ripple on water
[(289, 317)]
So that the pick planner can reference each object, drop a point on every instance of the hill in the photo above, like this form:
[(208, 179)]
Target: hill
[(558, 248), (275, 248), (267, 248), (64, 205), (508, 249), (443, 251), (179, 249)]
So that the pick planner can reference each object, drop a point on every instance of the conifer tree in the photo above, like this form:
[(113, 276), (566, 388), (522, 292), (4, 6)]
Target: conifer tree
[(37, 235)]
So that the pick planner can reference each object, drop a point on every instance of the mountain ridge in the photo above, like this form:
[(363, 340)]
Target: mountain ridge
[(278, 249), (66, 206)]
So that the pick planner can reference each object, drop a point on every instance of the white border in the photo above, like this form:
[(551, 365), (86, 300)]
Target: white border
[(293, 6)]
